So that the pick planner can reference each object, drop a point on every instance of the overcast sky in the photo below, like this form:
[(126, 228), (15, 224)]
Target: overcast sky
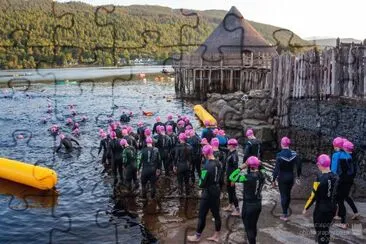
[(307, 18)]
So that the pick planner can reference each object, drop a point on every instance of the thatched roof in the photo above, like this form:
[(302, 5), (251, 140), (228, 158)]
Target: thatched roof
[(234, 35)]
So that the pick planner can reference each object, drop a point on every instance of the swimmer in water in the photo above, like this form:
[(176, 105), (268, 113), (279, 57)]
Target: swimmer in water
[(67, 143)]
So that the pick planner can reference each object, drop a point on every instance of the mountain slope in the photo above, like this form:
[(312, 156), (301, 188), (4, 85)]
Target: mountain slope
[(28, 34)]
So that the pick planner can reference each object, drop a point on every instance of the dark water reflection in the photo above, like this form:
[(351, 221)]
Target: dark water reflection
[(84, 209)]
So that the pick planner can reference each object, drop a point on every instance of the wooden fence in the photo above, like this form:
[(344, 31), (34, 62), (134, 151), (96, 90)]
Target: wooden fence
[(335, 72)]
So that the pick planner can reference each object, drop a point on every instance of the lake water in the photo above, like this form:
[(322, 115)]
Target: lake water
[(84, 209)]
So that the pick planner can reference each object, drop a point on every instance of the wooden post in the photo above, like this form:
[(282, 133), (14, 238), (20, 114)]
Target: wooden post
[(241, 85), (209, 80), (231, 81), (222, 80)]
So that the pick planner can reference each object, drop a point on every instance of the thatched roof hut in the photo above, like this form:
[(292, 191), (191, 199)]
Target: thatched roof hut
[(234, 35)]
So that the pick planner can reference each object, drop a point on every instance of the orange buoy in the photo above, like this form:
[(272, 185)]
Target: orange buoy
[(147, 113)]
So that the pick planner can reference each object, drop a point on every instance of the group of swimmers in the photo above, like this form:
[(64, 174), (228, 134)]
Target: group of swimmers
[(176, 147)]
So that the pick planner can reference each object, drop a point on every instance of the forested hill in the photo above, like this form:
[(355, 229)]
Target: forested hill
[(28, 33)]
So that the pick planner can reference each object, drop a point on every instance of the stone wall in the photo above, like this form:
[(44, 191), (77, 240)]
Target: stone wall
[(237, 112), (315, 124)]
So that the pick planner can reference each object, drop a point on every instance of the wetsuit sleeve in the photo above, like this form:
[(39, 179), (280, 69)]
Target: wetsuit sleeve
[(59, 147), (158, 158), (311, 199), (298, 166), (276, 169), (335, 161), (139, 160), (71, 139), (100, 147), (154, 128), (124, 156), (236, 177), (246, 152)]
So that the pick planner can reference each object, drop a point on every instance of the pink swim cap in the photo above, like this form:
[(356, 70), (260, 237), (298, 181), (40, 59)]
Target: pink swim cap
[(233, 142), (161, 129), (170, 117), (113, 135), (285, 141), (76, 125), (147, 132), (221, 132), (188, 127), (207, 150), (182, 137), (169, 128), (181, 123), (253, 162), (215, 142), (124, 132), (69, 120), (323, 160), (103, 135), (123, 142), (129, 129), (348, 146), (140, 123), (204, 141), (249, 132), (157, 119), (187, 133), (149, 140), (338, 142), (101, 131), (207, 123)]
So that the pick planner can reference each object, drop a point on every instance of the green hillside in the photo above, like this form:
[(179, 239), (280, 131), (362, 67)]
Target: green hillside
[(28, 33)]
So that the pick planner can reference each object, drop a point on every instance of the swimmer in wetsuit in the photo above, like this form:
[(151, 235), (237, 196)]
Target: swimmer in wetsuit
[(286, 161), (210, 199), (171, 122), (324, 195), (163, 143), (232, 161), (219, 156), (149, 161), (252, 146), (115, 150), (104, 143), (252, 197), (67, 143), (158, 123), (195, 142), (343, 166), (182, 161), (129, 164)]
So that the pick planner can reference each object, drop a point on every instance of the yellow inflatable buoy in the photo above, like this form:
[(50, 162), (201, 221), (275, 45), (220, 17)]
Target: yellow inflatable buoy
[(27, 174), (203, 115)]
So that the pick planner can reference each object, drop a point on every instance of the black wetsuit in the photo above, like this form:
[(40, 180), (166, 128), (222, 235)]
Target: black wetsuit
[(131, 141), (104, 146), (196, 156), (141, 137), (324, 194), (163, 144), (286, 160), (117, 161), (150, 162), (124, 118), (210, 200), (345, 168), (182, 160), (252, 200), (220, 156), (232, 161), (67, 143), (156, 125), (173, 143), (172, 123), (130, 165), (180, 130), (252, 147)]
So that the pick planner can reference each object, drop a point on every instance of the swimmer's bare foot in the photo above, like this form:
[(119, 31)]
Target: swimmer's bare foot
[(194, 238), (215, 237)]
